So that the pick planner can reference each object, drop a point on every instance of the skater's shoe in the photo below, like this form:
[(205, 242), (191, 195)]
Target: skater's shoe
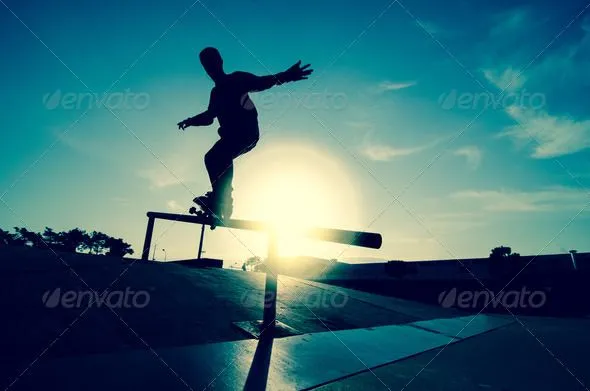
[(215, 204), (208, 204), (222, 204), (226, 206), (204, 199)]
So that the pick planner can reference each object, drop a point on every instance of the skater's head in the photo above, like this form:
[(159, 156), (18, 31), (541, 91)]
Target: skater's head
[(212, 62)]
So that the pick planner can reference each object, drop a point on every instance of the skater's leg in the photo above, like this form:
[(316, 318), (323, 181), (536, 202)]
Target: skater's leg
[(219, 164), (223, 186), (219, 161)]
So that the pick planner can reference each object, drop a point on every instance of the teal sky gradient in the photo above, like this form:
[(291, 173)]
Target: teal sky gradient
[(404, 120)]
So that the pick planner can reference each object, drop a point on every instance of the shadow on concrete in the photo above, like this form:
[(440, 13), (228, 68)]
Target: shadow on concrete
[(258, 374)]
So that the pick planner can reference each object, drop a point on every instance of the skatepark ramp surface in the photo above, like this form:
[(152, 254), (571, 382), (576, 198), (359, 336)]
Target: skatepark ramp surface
[(184, 336)]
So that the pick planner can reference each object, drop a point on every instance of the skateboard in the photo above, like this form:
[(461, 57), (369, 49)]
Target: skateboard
[(214, 220), (205, 212)]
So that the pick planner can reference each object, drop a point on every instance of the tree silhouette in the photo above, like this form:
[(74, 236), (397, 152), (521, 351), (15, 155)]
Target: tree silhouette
[(252, 264), (503, 260), (6, 238), (51, 238), (29, 238), (400, 269), (96, 242), (117, 247), (75, 241)]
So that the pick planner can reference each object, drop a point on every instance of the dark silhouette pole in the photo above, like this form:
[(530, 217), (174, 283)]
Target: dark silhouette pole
[(270, 288), (201, 239), (148, 239)]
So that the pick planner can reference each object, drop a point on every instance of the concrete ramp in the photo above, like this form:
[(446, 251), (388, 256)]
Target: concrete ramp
[(291, 363)]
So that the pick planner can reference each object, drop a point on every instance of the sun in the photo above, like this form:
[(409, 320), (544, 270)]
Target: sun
[(294, 186)]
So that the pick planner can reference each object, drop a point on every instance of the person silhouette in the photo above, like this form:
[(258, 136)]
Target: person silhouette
[(237, 116)]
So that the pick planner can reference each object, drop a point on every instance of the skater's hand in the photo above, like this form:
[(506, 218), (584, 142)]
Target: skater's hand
[(298, 72), (182, 125), (203, 119)]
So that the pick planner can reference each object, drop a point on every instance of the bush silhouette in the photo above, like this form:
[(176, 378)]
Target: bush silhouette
[(74, 241)]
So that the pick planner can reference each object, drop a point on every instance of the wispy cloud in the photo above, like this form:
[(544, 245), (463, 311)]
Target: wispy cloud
[(430, 27), (160, 177), (563, 72), (361, 125), (394, 86), (502, 52), (174, 206), (472, 153), (454, 223), (553, 135), (566, 66), (382, 152), (509, 78), (508, 22), (546, 200)]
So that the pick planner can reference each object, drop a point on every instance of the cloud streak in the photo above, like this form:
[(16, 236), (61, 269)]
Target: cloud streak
[(385, 153), (160, 177), (473, 155), (562, 71), (174, 206), (509, 22), (554, 135), (382, 152), (552, 199), (509, 79), (394, 86)]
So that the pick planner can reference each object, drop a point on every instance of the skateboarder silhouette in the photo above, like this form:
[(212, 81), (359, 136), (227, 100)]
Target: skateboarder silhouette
[(238, 123)]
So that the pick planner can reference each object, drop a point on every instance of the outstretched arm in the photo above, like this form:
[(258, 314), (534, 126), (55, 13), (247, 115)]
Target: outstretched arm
[(203, 119), (294, 73)]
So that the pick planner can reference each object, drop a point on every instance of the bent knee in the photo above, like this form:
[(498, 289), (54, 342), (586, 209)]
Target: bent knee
[(210, 157), (217, 155)]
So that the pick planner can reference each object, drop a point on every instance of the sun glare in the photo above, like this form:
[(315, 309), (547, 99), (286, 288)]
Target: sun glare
[(294, 187)]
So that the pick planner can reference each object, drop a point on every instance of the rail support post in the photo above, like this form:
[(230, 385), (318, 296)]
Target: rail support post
[(148, 239), (201, 241), (270, 288)]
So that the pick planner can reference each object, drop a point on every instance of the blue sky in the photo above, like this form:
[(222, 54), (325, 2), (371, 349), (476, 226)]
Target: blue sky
[(406, 101)]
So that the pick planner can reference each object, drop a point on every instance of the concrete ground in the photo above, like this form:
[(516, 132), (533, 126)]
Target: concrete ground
[(539, 354), (45, 329)]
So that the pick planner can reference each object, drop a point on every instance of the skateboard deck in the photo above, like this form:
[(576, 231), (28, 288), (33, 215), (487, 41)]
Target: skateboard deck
[(205, 212), (200, 213)]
